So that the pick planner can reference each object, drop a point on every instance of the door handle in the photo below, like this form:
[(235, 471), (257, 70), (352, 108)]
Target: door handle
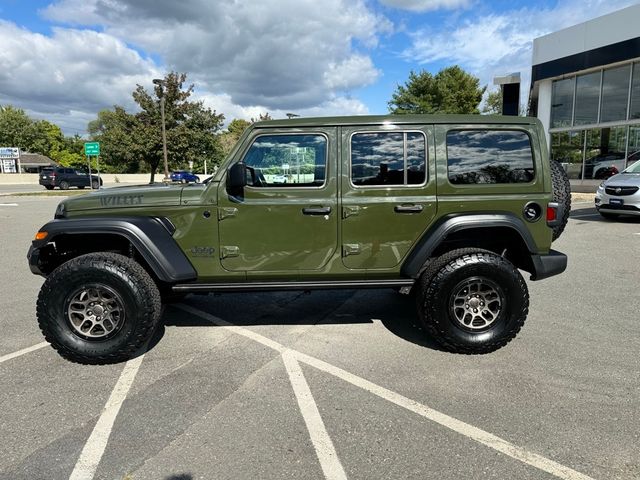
[(408, 208), (316, 210)]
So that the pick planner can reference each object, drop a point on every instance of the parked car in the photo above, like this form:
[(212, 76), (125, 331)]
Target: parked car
[(604, 166), (620, 194), (64, 178), (112, 258), (184, 176), (280, 178)]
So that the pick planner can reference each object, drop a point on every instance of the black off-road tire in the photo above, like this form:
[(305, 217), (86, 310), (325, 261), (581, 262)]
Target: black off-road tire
[(64, 185), (561, 194), (445, 275), (137, 292)]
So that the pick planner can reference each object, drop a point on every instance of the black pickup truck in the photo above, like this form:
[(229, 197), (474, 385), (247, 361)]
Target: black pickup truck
[(64, 178)]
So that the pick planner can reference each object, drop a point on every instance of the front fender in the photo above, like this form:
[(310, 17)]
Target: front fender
[(150, 236)]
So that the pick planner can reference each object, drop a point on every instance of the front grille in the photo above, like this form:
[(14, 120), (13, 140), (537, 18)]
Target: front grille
[(621, 191)]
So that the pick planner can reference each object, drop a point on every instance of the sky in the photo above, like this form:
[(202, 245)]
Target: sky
[(65, 60)]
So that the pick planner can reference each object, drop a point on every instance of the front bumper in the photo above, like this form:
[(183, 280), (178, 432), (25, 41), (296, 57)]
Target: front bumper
[(545, 266), (630, 203), (33, 256)]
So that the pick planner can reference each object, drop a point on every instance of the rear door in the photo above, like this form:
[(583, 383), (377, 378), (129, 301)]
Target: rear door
[(286, 220), (388, 194)]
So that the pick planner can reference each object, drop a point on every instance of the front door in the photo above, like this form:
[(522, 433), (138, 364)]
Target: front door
[(388, 194), (286, 218)]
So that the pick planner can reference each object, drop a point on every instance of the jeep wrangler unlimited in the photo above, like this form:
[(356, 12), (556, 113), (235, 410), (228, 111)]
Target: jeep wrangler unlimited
[(449, 208)]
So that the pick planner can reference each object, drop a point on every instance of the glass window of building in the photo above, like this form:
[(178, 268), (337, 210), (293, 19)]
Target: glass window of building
[(562, 102), (635, 92), (615, 93), (587, 98), (567, 148), (605, 152), (633, 153)]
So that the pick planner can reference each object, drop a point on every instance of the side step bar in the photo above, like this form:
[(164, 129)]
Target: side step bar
[(279, 286)]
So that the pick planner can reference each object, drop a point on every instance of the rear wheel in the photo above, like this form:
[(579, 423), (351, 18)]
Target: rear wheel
[(95, 184), (472, 301), (64, 185), (98, 308)]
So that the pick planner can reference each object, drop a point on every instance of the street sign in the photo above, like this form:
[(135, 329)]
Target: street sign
[(92, 148)]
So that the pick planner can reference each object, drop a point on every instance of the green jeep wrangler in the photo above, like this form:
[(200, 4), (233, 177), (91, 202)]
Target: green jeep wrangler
[(448, 208)]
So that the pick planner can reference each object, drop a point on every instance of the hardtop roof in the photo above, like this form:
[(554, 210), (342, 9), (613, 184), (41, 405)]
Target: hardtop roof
[(395, 120)]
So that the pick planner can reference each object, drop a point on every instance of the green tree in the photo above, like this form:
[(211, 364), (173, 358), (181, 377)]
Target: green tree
[(235, 129), (493, 103), (18, 130), (190, 126), (451, 90), (117, 132)]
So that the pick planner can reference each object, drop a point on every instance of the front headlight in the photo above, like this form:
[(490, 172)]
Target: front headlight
[(601, 186), (61, 211)]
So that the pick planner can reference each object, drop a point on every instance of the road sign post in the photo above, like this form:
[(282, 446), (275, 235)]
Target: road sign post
[(92, 149)]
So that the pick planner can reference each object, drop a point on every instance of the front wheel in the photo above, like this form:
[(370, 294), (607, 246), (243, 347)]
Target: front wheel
[(472, 301), (98, 308)]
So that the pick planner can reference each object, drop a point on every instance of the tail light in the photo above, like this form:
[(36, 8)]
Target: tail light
[(553, 214)]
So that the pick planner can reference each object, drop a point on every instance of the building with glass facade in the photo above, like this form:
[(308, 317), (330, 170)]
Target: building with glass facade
[(585, 88)]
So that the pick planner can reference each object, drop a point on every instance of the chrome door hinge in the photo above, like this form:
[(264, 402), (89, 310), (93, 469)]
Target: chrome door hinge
[(228, 251), (226, 212), (348, 211), (350, 249)]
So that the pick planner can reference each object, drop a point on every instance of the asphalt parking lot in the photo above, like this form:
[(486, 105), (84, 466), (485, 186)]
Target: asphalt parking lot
[(333, 384)]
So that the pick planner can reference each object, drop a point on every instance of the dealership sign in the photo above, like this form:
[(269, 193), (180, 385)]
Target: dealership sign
[(9, 153)]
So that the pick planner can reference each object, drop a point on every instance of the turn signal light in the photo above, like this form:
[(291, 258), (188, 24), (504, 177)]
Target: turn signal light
[(41, 235)]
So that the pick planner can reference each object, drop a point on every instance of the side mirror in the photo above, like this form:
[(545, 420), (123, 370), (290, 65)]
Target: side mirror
[(237, 176)]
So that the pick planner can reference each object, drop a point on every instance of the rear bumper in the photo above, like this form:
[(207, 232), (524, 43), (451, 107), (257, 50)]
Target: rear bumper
[(546, 266)]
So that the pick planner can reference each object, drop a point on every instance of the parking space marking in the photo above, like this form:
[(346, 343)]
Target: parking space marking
[(93, 450), (488, 439), (30, 349), (8, 204), (325, 450)]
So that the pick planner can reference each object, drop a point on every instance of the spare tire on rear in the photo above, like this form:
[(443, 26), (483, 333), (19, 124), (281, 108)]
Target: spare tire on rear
[(561, 194)]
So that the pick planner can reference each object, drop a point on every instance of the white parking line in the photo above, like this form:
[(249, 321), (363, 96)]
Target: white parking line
[(8, 204), (93, 450), (326, 452), (469, 431), (32, 348)]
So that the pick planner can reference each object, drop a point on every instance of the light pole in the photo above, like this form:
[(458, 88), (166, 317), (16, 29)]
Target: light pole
[(161, 84)]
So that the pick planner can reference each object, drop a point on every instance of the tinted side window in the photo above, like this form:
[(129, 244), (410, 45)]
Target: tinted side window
[(388, 158), (287, 161), (489, 156)]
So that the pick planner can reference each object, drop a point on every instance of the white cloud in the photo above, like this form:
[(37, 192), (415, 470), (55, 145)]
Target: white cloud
[(426, 5), (338, 105), (355, 71), (497, 44), (287, 54), (70, 72)]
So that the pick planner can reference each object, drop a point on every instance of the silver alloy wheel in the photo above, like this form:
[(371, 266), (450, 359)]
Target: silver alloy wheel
[(476, 303), (95, 312)]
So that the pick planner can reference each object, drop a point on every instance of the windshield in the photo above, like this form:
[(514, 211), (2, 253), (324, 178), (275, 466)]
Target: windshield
[(633, 168)]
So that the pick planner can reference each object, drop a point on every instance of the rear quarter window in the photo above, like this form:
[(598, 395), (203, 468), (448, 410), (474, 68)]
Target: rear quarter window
[(485, 156)]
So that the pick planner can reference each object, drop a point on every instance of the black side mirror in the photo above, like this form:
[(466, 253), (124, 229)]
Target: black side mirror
[(237, 176), (236, 179)]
